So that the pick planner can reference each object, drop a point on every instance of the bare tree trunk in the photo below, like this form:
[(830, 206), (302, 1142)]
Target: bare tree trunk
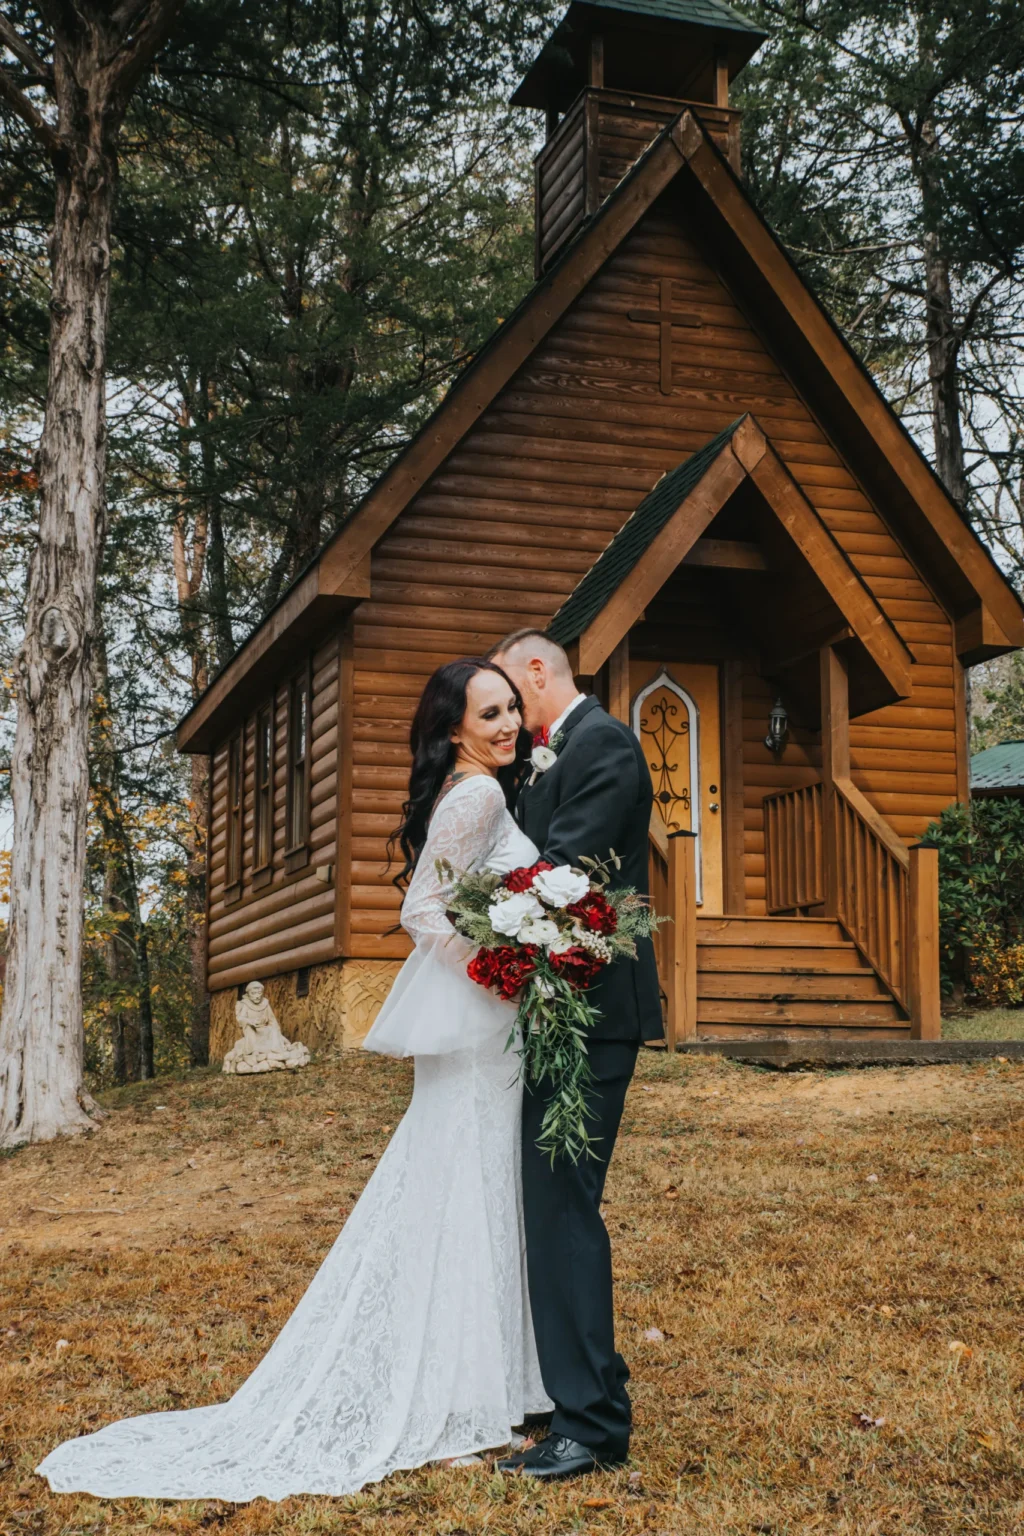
[(41, 1039), (99, 54), (188, 575), (199, 1034), (943, 368)]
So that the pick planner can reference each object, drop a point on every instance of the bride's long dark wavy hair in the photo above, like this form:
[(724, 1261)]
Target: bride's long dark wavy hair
[(441, 707)]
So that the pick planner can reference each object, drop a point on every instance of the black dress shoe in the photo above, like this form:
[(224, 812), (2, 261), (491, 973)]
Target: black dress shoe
[(557, 1457)]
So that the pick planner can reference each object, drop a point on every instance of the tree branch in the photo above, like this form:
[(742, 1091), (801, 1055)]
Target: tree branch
[(137, 55), (23, 52), (30, 114)]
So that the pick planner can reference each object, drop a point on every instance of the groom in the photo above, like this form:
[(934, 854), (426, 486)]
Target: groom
[(595, 797)]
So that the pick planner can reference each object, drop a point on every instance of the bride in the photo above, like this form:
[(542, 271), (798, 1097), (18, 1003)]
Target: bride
[(414, 1341)]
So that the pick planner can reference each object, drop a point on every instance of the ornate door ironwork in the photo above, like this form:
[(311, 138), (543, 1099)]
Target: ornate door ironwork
[(666, 722)]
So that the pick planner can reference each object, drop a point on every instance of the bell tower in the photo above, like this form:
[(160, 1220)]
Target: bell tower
[(610, 77)]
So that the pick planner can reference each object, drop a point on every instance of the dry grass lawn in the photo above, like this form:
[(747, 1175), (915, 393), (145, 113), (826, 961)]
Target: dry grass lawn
[(832, 1262)]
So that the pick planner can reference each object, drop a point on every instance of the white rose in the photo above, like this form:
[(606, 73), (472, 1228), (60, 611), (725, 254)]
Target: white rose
[(558, 887), (538, 930), (562, 944), (542, 758), (507, 916)]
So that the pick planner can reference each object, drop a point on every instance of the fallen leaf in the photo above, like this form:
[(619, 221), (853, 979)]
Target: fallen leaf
[(654, 1336), (598, 1503), (989, 1439), (62, 1344), (963, 1352), (671, 1192), (865, 1421), (872, 1178), (887, 1311), (635, 1479)]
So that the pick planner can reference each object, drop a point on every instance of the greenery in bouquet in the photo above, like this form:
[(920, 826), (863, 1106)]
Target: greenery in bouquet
[(543, 935)]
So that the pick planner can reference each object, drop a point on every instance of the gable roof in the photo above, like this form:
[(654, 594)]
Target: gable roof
[(665, 527), (632, 541), (998, 770), (989, 614)]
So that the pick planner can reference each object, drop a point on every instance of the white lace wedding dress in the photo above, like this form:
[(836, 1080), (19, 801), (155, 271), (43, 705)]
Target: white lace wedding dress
[(414, 1341)]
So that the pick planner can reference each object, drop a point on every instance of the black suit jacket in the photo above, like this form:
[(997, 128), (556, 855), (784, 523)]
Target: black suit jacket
[(596, 797)]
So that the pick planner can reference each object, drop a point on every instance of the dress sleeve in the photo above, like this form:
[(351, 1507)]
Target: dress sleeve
[(465, 828), (433, 1007)]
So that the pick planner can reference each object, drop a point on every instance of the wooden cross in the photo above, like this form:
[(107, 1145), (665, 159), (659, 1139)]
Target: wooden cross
[(664, 317)]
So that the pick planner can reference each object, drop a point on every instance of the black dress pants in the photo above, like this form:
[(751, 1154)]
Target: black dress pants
[(570, 1265)]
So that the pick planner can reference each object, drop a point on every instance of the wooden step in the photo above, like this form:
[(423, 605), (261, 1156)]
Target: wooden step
[(731, 1010), (786, 959), (773, 986), (768, 930), (803, 1032)]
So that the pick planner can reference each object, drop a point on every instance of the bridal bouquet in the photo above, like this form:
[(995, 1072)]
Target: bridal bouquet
[(544, 934)]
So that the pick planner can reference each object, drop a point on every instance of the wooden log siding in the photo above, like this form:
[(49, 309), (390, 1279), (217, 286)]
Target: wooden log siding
[(533, 492), (286, 921)]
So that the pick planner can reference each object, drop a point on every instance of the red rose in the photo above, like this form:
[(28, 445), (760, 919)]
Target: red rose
[(505, 968), (519, 880), (483, 967), (578, 966), (515, 969), (595, 912)]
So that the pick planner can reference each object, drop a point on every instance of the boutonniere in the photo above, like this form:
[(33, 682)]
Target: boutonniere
[(544, 754)]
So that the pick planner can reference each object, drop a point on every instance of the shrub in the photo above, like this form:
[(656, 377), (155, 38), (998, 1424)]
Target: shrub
[(981, 896)]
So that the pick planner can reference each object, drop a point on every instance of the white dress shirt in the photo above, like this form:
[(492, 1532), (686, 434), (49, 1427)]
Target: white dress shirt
[(563, 717)]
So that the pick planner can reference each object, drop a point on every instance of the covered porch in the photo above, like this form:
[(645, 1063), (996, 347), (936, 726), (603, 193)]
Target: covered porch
[(727, 627)]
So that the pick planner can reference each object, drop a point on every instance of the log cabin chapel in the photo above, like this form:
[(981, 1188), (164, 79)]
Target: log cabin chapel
[(670, 459)]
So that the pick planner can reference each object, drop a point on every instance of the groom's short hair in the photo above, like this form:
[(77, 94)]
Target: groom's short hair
[(539, 643)]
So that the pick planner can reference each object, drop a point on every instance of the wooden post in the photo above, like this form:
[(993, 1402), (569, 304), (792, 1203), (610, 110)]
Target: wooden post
[(732, 785), (618, 681), (721, 78), (923, 942), (681, 981), (835, 761), (596, 61)]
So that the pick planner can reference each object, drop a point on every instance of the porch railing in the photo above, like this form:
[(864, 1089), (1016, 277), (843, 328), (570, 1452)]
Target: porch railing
[(836, 852), (794, 867)]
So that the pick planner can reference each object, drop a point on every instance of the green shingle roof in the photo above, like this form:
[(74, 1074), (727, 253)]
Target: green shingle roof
[(701, 13), (632, 541), (999, 767)]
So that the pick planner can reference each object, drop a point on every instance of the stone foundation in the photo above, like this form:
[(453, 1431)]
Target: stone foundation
[(343, 1001)]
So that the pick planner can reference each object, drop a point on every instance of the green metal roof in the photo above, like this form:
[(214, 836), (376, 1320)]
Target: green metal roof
[(999, 768), (655, 47), (632, 541)]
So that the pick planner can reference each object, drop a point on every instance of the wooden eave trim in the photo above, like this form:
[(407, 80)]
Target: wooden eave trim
[(222, 704), (835, 571), (748, 453), (802, 310)]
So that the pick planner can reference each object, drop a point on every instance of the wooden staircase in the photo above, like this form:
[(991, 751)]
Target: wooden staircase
[(788, 977)]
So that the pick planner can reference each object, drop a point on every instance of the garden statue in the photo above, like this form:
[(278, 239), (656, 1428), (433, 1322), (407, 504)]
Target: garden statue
[(262, 1048)]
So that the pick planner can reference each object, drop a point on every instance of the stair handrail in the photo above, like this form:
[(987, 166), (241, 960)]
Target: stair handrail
[(871, 886)]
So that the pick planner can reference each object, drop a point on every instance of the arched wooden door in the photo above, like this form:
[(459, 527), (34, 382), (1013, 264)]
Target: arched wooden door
[(675, 714)]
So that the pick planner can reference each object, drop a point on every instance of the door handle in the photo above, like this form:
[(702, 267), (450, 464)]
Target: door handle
[(713, 806)]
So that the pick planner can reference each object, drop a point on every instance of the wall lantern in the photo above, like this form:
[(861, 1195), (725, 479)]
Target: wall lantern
[(778, 728)]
